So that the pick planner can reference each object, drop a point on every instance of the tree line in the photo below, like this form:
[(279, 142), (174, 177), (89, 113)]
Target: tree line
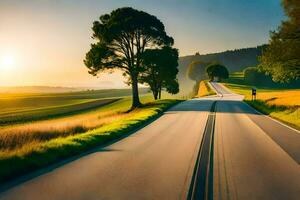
[(254, 76), (281, 58), (235, 60), (279, 61), (136, 43), (199, 70)]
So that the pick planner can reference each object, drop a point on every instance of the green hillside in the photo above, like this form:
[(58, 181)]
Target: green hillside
[(234, 60)]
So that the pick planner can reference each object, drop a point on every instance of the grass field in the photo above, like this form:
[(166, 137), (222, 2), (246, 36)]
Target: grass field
[(29, 146), (20, 108), (205, 89), (281, 104)]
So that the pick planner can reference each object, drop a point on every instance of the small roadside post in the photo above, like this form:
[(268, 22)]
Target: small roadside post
[(253, 94)]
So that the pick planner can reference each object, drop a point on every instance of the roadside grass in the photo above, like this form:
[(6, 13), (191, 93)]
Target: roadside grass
[(205, 89), (21, 135), (20, 108), (114, 122), (281, 104)]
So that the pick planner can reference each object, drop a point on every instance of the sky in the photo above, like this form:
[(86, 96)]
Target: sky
[(43, 42)]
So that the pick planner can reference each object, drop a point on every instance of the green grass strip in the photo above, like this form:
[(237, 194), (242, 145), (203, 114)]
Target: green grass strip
[(43, 154)]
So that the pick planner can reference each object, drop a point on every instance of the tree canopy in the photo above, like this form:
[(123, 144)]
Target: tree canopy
[(196, 70), (217, 70), (160, 70), (121, 38), (281, 59), (254, 76)]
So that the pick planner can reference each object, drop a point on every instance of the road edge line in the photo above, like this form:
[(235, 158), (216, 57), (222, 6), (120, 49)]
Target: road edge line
[(257, 111), (279, 122)]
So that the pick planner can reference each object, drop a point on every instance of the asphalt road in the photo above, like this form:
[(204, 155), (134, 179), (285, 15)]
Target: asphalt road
[(254, 158), (156, 162)]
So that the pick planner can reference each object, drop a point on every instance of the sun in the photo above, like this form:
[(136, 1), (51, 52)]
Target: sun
[(7, 62)]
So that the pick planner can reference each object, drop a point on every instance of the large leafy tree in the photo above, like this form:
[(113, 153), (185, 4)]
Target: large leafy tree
[(196, 70), (160, 70), (281, 58), (217, 70), (122, 37)]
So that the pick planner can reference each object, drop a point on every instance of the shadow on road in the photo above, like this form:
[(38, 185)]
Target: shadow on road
[(203, 105)]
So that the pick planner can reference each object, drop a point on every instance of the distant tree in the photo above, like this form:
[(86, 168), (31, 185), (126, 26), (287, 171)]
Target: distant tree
[(122, 37), (253, 76), (160, 70), (196, 70), (217, 70), (281, 59), (250, 74), (197, 54)]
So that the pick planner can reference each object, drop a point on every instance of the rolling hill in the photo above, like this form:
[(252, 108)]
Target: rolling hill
[(234, 60)]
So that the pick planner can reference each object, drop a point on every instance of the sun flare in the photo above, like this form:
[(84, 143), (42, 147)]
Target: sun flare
[(7, 62)]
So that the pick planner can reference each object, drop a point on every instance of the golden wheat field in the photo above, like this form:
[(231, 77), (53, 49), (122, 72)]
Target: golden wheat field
[(282, 98), (19, 135), (204, 89), (283, 105), (13, 137)]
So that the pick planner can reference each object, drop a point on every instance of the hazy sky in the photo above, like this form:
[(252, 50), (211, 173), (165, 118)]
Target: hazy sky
[(43, 42)]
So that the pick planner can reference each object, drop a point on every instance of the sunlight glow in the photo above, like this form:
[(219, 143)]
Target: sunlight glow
[(7, 62)]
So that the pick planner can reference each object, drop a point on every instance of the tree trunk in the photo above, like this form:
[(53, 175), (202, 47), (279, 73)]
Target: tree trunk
[(135, 93), (154, 90), (155, 95), (159, 93)]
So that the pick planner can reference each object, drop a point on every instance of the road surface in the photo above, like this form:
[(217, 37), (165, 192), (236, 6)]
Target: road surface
[(254, 158), (156, 162)]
